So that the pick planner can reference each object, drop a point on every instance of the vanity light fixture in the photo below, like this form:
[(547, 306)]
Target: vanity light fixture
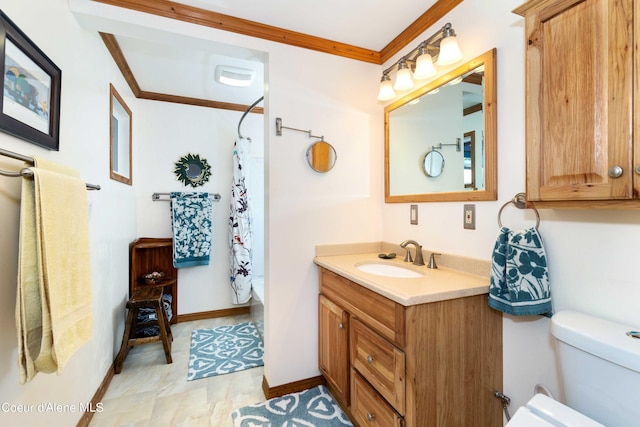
[(403, 77), (449, 49), (424, 66), (386, 88), (418, 64)]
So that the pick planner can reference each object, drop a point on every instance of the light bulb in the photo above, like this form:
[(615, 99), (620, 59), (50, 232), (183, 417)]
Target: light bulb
[(449, 51), (403, 78), (386, 89), (424, 67)]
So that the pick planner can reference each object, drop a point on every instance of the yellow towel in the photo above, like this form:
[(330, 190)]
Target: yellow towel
[(53, 308)]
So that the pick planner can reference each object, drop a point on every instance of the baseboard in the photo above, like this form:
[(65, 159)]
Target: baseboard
[(234, 311), (96, 401), (294, 387)]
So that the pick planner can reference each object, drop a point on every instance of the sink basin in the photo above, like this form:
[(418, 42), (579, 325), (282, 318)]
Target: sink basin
[(388, 270)]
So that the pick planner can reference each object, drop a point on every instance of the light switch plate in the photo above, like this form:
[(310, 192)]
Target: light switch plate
[(469, 221), (413, 214)]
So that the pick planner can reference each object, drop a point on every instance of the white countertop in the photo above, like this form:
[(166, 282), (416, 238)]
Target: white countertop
[(434, 285)]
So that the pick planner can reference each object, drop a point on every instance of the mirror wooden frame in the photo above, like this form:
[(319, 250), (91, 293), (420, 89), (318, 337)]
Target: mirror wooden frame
[(116, 129), (490, 191)]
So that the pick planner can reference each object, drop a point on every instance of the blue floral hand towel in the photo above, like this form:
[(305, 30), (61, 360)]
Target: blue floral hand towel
[(191, 221), (519, 276)]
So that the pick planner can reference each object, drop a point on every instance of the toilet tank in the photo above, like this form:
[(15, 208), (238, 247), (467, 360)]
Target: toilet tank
[(599, 367)]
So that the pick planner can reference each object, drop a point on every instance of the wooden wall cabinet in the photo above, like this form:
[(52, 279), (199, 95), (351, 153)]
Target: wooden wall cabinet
[(582, 102), (147, 255), (428, 365)]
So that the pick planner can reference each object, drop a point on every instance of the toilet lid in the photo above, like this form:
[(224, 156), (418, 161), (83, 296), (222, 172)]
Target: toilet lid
[(551, 409), (525, 418), (542, 411)]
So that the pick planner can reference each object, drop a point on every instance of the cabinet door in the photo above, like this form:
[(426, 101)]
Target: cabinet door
[(579, 100), (333, 348)]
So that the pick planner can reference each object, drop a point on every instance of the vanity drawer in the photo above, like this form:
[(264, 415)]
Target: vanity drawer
[(384, 315), (379, 362), (368, 408)]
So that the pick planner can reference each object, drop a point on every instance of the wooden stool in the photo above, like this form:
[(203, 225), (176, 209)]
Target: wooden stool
[(144, 297)]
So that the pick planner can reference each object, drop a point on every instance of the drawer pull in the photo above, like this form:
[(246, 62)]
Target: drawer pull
[(370, 359), (370, 416), (341, 325), (615, 171)]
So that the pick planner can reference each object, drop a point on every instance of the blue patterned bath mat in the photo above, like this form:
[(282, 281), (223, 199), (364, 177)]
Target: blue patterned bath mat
[(314, 407), (223, 350)]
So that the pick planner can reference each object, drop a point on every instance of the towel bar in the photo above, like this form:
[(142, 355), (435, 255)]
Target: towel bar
[(26, 172), (157, 197), (519, 201)]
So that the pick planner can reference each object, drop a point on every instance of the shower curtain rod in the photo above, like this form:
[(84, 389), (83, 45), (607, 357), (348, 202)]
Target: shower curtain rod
[(245, 114), (26, 172)]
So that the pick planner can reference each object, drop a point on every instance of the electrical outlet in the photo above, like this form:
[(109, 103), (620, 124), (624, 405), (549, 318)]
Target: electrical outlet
[(469, 217), (413, 214)]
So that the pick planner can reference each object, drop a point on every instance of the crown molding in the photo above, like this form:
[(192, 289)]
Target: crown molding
[(207, 18)]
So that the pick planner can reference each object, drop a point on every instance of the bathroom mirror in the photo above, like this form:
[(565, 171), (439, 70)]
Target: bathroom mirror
[(433, 164), (120, 139), (321, 156), (192, 170), (456, 113)]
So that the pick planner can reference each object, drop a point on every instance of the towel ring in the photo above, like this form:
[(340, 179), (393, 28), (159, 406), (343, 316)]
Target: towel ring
[(519, 201)]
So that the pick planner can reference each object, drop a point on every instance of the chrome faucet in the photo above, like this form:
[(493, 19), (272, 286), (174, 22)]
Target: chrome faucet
[(419, 260)]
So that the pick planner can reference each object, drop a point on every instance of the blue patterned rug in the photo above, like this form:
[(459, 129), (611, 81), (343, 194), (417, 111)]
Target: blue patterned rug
[(223, 350), (314, 407)]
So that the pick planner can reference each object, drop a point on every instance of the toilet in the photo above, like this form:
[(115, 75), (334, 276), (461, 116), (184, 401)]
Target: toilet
[(599, 363)]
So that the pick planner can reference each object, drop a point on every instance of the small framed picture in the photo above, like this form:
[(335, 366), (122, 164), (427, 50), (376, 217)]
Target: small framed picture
[(30, 96)]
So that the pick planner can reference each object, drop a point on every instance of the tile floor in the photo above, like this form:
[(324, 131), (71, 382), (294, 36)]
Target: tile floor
[(150, 392)]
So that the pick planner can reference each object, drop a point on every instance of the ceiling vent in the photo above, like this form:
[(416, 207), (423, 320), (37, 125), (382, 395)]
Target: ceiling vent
[(234, 76)]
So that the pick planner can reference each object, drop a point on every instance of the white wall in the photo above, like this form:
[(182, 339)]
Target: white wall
[(87, 70), (336, 98)]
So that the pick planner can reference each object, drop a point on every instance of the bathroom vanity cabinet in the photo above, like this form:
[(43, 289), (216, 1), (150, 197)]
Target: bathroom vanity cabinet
[(582, 96), (147, 255), (425, 365)]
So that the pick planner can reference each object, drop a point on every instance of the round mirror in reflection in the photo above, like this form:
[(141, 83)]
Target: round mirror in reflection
[(433, 164), (321, 156)]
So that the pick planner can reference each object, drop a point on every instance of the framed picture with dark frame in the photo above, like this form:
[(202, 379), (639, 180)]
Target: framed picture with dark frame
[(30, 96)]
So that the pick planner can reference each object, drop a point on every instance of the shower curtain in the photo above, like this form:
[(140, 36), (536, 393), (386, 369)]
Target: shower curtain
[(240, 228)]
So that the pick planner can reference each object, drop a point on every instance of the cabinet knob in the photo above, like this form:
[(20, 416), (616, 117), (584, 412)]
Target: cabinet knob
[(341, 326), (370, 359), (637, 169), (370, 416), (615, 171)]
